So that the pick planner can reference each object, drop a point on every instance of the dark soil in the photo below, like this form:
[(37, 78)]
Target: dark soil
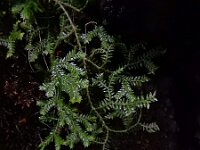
[(19, 124)]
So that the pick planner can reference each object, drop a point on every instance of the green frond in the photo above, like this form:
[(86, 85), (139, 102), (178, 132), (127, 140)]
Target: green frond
[(9, 42), (106, 46), (66, 31), (17, 9), (4, 42), (16, 33), (45, 46), (150, 127), (47, 141), (143, 57), (76, 132), (74, 55), (83, 92), (10, 45), (145, 101), (151, 67), (58, 141), (33, 33), (138, 80), (115, 75), (27, 9), (46, 106), (128, 121)]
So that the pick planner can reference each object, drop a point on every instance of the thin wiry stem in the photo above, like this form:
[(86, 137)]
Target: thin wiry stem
[(96, 66), (91, 22), (43, 57), (131, 127), (70, 6), (73, 7), (63, 38), (100, 118), (106, 140), (86, 2), (104, 125), (71, 23), (84, 60)]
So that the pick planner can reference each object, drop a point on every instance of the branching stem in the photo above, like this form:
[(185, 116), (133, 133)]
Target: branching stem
[(71, 23)]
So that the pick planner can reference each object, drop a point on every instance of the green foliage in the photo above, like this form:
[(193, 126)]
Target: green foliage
[(23, 12), (26, 9), (85, 92), (15, 35), (106, 45), (72, 83), (150, 127), (142, 57)]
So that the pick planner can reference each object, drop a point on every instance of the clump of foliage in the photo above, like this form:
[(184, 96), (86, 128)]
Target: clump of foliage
[(85, 92)]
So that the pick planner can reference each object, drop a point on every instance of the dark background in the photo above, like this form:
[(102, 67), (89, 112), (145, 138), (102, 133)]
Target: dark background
[(175, 25)]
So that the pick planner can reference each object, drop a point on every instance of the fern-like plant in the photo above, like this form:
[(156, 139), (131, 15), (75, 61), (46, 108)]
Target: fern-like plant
[(84, 95), (85, 91)]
